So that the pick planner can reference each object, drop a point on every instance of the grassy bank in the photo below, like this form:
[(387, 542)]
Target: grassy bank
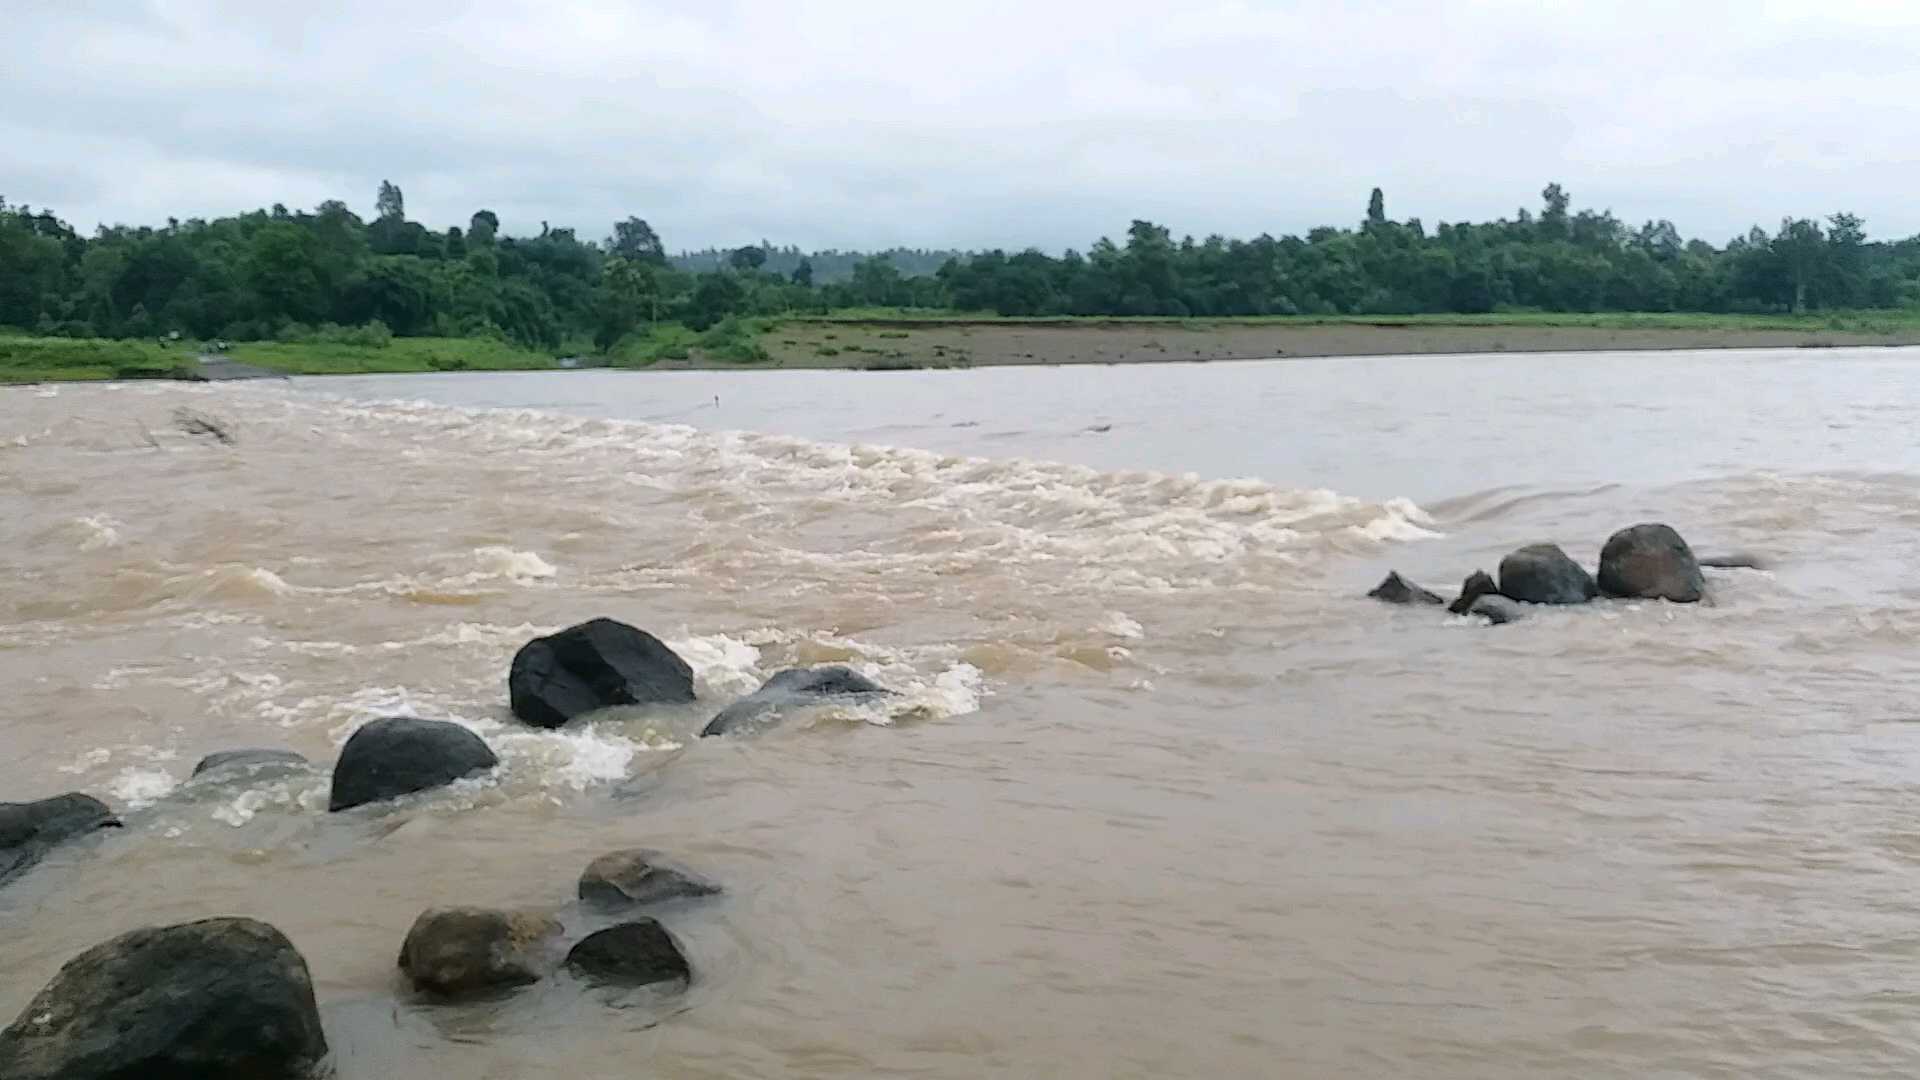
[(898, 340), (44, 359)]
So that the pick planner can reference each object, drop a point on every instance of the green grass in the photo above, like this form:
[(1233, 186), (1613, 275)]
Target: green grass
[(43, 359), (36, 359)]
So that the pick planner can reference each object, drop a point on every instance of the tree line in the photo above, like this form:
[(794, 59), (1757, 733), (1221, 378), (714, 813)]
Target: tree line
[(278, 273)]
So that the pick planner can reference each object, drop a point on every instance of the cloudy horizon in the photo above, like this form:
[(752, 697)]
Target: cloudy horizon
[(859, 126)]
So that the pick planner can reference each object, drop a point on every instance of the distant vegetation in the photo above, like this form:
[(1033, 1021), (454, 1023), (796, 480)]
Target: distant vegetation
[(359, 286), (825, 267)]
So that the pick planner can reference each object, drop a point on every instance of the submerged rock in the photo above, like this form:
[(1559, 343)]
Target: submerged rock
[(594, 665), (1398, 590), (639, 876), (1478, 584), (251, 761), (401, 755), (29, 830), (220, 999), (792, 688), (455, 951), (1544, 574), (1650, 562), (635, 953), (1497, 610)]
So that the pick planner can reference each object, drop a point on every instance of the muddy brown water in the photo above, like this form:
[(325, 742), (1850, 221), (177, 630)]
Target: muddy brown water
[(1160, 797)]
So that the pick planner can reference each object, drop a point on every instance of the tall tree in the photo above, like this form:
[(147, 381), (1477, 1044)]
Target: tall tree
[(390, 203), (635, 241), (483, 227)]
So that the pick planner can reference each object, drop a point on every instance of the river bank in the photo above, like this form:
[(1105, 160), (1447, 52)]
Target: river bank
[(905, 341)]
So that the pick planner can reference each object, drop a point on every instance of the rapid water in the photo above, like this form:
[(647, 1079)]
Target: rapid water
[(1161, 796)]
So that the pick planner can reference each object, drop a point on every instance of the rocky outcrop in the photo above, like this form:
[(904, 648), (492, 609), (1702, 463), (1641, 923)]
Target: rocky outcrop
[(221, 999), (1650, 562), (1478, 584), (29, 830), (252, 761), (1543, 574), (794, 688), (594, 665), (636, 953), (401, 755), (1398, 590), (459, 951), (638, 876)]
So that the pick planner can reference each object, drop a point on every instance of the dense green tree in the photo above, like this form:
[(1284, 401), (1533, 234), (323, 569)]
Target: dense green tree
[(714, 298), (635, 241)]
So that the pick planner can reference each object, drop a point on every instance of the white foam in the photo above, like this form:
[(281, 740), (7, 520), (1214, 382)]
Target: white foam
[(97, 532), (303, 794), (727, 666), (505, 562), (576, 757), (136, 787)]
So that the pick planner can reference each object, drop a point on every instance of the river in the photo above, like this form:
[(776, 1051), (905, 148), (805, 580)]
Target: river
[(1162, 795)]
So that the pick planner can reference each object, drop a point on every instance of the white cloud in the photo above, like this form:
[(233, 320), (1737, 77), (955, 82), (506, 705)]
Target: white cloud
[(864, 124)]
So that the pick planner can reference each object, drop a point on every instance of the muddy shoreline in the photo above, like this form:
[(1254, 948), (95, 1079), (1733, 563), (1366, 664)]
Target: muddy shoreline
[(889, 345)]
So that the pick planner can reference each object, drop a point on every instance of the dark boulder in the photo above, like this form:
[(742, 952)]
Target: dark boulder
[(400, 755), (1398, 590), (1478, 584), (220, 999), (638, 876), (635, 953), (1650, 562), (29, 830), (793, 688), (1543, 574), (251, 761), (594, 665), (456, 951)]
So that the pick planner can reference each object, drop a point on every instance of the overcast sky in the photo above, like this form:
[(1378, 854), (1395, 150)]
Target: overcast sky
[(969, 124)]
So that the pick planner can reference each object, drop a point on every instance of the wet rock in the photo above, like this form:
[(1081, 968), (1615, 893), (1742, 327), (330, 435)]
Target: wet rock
[(250, 761), (1398, 590), (400, 755), (1497, 610), (1478, 584), (1737, 561), (594, 665), (639, 876), (220, 999), (789, 689), (457, 951), (635, 953), (1543, 574), (1650, 562), (29, 830)]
